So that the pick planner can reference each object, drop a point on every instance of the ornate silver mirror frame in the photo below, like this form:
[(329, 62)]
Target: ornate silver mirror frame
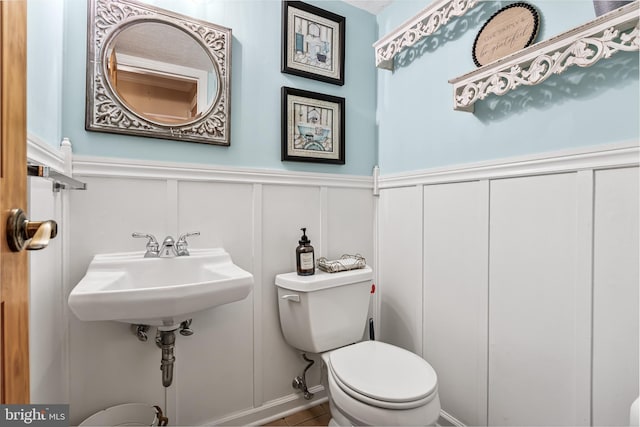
[(106, 110)]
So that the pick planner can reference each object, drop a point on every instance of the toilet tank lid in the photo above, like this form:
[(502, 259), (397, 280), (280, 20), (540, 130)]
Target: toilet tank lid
[(322, 280)]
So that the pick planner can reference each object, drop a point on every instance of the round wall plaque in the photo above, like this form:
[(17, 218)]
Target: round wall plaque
[(509, 30)]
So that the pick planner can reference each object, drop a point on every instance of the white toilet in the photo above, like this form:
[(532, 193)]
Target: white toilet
[(368, 382)]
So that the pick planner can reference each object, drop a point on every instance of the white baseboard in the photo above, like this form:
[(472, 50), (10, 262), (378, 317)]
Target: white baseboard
[(293, 403), (449, 420), (272, 410)]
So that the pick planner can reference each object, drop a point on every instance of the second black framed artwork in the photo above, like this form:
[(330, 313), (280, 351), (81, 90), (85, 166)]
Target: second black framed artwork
[(312, 127), (313, 42)]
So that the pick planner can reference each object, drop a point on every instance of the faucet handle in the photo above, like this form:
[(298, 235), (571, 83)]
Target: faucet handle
[(181, 245), (183, 237), (153, 249), (151, 238)]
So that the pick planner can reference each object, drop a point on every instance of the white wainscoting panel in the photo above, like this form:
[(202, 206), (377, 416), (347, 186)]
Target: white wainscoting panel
[(222, 213), (400, 267), (48, 332), (285, 210), (527, 222), (615, 288), (550, 275), (47, 338), (532, 289), (350, 228), (219, 355), (236, 368), (104, 216), (214, 366), (108, 365), (350, 223), (455, 295)]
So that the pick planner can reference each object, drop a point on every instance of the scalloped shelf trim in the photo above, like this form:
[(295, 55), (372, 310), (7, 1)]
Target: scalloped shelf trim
[(422, 25), (582, 46)]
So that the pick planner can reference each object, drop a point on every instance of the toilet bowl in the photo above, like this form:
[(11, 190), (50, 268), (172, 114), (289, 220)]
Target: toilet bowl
[(374, 383), (368, 382)]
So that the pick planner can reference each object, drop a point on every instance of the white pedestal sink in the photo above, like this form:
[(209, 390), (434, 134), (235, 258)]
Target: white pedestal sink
[(164, 292)]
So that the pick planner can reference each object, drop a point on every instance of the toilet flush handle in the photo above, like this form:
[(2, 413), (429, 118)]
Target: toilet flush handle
[(291, 297)]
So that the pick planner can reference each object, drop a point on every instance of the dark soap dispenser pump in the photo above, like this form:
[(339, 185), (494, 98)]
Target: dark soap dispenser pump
[(305, 258)]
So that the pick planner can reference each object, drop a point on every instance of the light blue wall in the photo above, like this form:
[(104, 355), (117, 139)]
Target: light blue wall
[(255, 88), (418, 128), (45, 23), (416, 125)]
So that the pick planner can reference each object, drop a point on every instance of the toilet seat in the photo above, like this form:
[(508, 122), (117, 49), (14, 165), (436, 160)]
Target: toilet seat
[(383, 375)]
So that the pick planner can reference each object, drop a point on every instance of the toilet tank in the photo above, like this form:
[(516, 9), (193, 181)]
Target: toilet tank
[(324, 311)]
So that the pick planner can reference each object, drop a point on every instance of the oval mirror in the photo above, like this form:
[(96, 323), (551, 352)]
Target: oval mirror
[(160, 72), (155, 73)]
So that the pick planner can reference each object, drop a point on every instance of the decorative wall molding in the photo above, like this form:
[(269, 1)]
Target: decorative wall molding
[(582, 46), (111, 167), (38, 151), (422, 25), (56, 161), (599, 157)]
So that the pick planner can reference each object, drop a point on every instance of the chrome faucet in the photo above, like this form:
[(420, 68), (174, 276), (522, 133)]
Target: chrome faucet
[(169, 249)]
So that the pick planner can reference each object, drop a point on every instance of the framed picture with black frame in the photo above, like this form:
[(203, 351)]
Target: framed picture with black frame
[(312, 42), (312, 127)]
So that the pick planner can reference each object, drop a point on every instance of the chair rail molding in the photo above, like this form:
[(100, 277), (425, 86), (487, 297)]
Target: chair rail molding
[(40, 152), (583, 46), (422, 25), (88, 166), (605, 156)]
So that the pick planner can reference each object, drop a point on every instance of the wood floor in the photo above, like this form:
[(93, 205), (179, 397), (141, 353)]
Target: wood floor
[(314, 416)]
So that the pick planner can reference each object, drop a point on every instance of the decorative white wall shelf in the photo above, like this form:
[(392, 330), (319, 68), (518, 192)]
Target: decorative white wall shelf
[(425, 23), (583, 46)]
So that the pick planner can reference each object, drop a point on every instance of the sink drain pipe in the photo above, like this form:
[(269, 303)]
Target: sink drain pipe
[(167, 342)]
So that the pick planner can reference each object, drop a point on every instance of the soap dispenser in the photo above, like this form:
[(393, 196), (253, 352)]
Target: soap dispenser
[(305, 258)]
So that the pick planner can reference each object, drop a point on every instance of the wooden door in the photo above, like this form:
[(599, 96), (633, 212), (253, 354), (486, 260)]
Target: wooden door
[(14, 289)]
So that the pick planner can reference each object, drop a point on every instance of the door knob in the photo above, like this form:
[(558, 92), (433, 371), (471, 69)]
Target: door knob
[(29, 235)]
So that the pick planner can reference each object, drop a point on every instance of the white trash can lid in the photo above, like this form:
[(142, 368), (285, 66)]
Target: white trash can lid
[(128, 414)]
